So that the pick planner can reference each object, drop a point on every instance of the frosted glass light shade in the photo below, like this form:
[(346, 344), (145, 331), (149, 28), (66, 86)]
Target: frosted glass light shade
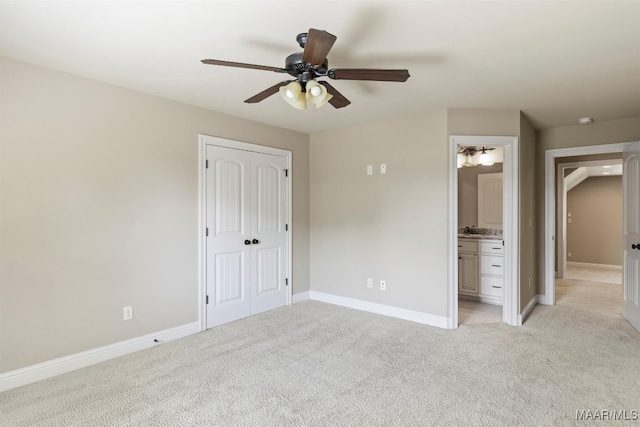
[(468, 161), (317, 93), (484, 159), (292, 94)]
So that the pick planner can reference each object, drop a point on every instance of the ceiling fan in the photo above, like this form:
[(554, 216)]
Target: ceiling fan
[(309, 65)]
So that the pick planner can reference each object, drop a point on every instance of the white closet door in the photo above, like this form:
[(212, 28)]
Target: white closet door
[(246, 243), (490, 196), (631, 269), (268, 216), (228, 223)]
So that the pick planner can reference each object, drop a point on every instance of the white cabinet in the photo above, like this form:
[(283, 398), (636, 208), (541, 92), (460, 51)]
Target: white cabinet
[(468, 273), (481, 270), (468, 267)]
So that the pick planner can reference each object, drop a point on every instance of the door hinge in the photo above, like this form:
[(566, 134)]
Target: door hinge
[(207, 231), (206, 164), (286, 172), (286, 227), (207, 299), (286, 282)]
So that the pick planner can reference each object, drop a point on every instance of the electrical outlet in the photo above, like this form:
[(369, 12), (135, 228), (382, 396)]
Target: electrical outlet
[(383, 285), (127, 313), (369, 282), (383, 168), (369, 169)]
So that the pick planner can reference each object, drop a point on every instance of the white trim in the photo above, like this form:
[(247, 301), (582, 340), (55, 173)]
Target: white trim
[(205, 140), (511, 219), (299, 297), (385, 310), (527, 310), (51, 368), (550, 157)]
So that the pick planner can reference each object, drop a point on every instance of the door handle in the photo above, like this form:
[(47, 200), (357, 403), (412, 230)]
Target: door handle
[(247, 242), (255, 241), (635, 246)]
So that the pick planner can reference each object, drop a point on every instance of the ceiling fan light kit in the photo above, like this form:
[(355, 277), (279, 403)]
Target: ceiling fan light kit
[(309, 65)]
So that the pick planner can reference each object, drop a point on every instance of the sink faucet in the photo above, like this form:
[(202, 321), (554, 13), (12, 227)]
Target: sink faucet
[(467, 230)]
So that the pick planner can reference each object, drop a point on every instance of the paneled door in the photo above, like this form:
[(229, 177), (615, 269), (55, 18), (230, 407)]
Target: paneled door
[(490, 195), (631, 266), (246, 233)]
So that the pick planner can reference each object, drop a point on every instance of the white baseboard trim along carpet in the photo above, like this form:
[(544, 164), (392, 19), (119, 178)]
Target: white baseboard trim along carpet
[(51, 368), (302, 296), (318, 364), (527, 310), (386, 310)]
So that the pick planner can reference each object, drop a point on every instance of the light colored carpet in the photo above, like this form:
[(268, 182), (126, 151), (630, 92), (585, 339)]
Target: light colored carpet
[(313, 364)]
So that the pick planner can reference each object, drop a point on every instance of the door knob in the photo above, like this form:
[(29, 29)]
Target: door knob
[(247, 242), (255, 241), (635, 246)]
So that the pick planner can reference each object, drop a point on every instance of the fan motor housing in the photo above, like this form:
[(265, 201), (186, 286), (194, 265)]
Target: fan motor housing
[(296, 67)]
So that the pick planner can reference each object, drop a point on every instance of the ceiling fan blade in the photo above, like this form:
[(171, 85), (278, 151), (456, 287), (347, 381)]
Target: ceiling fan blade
[(338, 100), (243, 65), (317, 46), (369, 74), (267, 92)]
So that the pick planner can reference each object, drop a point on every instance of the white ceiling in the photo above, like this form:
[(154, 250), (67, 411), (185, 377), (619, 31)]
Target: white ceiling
[(556, 61)]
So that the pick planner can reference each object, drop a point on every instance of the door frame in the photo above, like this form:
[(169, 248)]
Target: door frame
[(510, 228), (550, 212), (203, 142), (561, 202)]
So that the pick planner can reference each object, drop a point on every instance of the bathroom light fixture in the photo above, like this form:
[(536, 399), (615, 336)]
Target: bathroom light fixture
[(585, 120), (484, 158), (469, 152)]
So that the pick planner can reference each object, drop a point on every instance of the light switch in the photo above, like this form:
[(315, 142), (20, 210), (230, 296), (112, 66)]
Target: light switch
[(369, 169)]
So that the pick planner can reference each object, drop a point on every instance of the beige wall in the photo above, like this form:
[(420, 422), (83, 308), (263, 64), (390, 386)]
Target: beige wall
[(465, 121), (468, 192), (391, 227), (99, 210), (595, 232), (615, 131)]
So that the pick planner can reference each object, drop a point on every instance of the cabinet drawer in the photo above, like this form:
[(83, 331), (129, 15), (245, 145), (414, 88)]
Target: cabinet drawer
[(493, 286), (490, 264), (492, 247), (467, 246)]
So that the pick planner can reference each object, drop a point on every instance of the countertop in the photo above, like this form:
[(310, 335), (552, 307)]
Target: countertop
[(479, 236)]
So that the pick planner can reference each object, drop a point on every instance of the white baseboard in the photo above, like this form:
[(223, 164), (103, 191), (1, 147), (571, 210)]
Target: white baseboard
[(543, 300), (302, 296), (51, 368), (591, 265), (386, 310), (527, 310)]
